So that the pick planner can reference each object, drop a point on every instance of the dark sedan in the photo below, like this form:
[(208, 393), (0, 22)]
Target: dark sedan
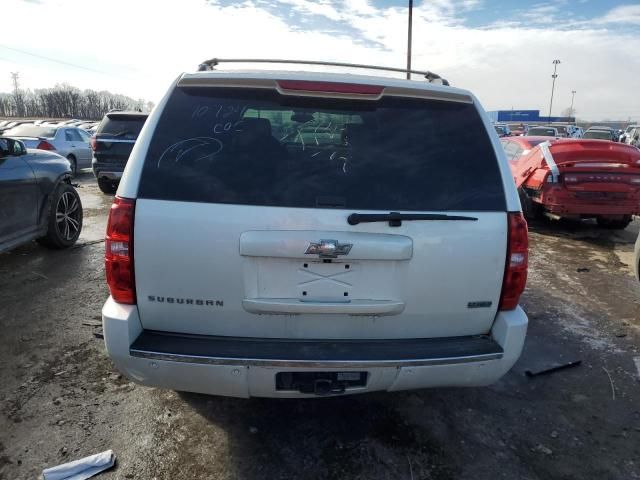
[(37, 200)]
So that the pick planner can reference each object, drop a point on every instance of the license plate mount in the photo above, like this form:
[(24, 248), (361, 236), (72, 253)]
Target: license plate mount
[(320, 383)]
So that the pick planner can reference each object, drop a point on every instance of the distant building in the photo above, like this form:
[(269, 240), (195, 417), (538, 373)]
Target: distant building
[(525, 116)]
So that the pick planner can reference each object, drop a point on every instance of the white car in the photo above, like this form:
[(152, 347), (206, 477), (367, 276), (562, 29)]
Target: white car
[(633, 137), (391, 256)]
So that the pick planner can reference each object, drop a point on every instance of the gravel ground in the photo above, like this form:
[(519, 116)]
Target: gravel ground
[(61, 399)]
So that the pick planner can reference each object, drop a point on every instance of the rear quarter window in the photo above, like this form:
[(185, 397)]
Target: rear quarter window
[(257, 147)]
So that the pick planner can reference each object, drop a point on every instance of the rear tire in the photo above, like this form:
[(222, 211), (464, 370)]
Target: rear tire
[(107, 186), (65, 218), (614, 224), (74, 165)]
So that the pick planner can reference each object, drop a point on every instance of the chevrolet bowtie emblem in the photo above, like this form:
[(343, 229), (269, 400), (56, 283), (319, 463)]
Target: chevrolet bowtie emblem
[(328, 248)]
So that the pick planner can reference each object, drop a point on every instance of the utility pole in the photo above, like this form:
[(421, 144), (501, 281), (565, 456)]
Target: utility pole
[(16, 93), (409, 39), (573, 94), (553, 86)]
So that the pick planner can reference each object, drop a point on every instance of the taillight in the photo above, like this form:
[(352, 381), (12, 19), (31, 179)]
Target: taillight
[(44, 145), (93, 143), (605, 177), (515, 272), (119, 251)]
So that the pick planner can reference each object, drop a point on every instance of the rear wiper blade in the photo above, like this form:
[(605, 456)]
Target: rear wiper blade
[(395, 218), (123, 133)]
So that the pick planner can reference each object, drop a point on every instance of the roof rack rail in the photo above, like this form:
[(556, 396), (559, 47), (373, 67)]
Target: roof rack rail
[(208, 65)]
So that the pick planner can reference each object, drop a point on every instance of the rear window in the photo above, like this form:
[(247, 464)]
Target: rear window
[(545, 132), (30, 131), (534, 142), (124, 126), (598, 134), (257, 147)]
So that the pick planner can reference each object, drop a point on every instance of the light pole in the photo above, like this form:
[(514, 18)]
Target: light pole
[(573, 94), (553, 86), (409, 39)]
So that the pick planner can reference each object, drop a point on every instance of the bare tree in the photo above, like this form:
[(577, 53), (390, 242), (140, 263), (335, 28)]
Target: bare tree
[(66, 101)]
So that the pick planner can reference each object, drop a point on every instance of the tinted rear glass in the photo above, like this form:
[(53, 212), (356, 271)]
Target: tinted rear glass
[(256, 147), (598, 134), (28, 130), (549, 132), (535, 142), (127, 127)]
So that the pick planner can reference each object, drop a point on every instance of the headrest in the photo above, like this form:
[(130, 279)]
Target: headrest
[(255, 127)]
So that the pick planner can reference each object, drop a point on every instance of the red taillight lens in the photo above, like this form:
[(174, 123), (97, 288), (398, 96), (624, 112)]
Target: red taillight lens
[(93, 143), (118, 258), (515, 272), (330, 87), (44, 145)]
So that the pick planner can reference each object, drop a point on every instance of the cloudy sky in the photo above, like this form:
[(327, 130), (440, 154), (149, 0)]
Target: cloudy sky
[(502, 50)]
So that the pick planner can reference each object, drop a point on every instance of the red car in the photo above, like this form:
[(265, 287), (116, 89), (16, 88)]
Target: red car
[(576, 178)]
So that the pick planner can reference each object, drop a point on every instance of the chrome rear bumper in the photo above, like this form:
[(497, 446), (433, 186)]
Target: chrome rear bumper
[(216, 350), (247, 367)]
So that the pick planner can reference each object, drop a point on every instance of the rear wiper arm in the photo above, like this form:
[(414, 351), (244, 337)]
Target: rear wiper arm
[(395, 218)]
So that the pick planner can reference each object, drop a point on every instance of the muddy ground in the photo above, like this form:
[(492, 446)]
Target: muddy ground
[(61, 399)]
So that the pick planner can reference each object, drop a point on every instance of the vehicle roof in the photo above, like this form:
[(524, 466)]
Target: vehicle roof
[(328, 77), (125, 113), (599, 127)]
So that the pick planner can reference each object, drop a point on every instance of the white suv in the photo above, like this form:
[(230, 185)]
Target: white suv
[(290, 234)]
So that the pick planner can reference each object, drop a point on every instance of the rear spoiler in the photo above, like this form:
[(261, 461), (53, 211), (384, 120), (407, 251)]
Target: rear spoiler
[(231, 80)]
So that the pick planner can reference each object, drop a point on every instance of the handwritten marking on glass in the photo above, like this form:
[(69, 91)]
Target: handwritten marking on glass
[(192, 149)]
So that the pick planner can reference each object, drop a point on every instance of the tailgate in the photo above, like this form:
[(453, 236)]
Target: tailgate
[(223, 270), (112, 150)]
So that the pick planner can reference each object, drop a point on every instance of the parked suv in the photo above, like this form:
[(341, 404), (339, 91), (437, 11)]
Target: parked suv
[(390, 256), (112, 144)]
